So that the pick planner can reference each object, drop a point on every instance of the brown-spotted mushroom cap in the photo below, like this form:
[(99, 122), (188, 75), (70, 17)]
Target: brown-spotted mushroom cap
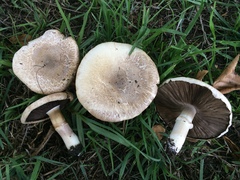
[(113, 85), (47, 64), (49, 107), (213, 111)]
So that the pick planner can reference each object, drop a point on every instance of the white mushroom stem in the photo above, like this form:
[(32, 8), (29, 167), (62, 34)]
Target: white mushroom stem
[(180, 130), (62, 127)]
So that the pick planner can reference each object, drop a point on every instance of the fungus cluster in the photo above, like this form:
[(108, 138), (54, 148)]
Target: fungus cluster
[(111, 84), (117, 82)]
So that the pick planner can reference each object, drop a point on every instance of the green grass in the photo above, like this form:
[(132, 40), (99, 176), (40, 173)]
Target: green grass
[(182, 37)]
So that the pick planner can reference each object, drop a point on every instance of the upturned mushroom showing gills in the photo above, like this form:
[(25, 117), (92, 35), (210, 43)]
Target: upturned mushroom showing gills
[(47, 64), (194, 109), (50, 107), (114, 85)]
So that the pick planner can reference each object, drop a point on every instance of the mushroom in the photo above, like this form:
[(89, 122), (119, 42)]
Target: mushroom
[(194, 109), (114, 85), (50, 107), (229, 80), (47, 64)]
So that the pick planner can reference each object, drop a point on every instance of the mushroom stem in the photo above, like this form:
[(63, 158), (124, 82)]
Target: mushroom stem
[(62, 127), (180, 130)]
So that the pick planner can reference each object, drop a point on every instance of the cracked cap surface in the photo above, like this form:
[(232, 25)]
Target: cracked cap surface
[(47, 64)]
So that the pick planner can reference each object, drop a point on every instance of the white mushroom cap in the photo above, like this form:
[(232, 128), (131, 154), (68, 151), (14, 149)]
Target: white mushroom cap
[(113, 85), (213, 110), (47, 64)]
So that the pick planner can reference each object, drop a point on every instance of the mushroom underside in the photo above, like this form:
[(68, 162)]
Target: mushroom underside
[(39, 113), (212, 116)]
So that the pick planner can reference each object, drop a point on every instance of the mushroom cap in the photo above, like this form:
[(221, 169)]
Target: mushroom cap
[(113, 85), (213, 111), (47, 64), (36, 112)]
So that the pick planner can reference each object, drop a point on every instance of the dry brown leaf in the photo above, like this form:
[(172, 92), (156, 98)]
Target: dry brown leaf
[(229, 80), (200, 75), (159, 130), (235, 150), (21, 39)]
